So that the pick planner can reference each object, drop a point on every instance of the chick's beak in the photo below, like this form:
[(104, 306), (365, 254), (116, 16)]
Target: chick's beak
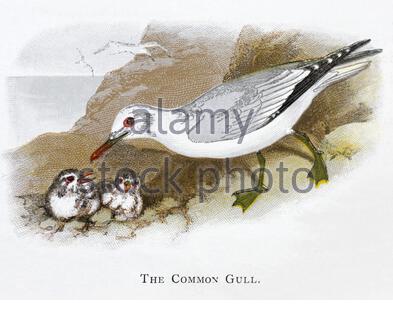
[(107, 145), (127, 186), (84, 177)]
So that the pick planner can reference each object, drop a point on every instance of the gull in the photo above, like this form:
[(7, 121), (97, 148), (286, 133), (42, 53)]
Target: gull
[(84, 63), (244, 115)]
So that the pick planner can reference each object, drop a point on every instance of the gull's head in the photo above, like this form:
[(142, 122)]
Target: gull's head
[(131, 122)]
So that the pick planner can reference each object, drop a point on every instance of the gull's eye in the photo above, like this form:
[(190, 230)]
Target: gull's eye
[(128, 122), (120, 179), (70, 179)]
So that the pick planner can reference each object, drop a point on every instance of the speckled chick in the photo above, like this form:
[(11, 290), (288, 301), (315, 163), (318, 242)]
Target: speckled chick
[(123, 196), (72, 195)]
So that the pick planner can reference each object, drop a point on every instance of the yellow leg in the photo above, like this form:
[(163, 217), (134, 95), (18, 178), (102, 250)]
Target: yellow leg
[(245, 198), (318, 171)]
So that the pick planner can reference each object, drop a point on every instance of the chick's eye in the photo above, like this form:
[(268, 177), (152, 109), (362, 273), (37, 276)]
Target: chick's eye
[(70, 179), (128, 122)]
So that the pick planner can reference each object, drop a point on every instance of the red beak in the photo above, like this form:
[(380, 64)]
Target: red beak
[(105, 146), (100, 151)]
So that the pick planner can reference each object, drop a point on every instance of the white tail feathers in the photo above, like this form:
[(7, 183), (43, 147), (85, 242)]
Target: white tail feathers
[(339, 73)]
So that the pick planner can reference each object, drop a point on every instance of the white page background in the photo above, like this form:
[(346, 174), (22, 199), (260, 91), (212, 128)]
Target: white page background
[(334, 243)]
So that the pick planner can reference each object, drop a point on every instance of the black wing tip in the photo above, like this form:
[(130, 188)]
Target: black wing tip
[(362, 54), (365, 41), (358, 44), (372, 52)]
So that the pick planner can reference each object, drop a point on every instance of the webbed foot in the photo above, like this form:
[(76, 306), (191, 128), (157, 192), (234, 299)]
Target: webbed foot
[(245, 198), (318, 172)]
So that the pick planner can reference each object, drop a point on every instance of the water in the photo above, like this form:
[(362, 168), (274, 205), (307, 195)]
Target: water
[(47, 103)]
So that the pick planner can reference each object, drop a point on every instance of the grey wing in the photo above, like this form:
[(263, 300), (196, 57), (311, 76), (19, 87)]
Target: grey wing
[(254, 99)]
